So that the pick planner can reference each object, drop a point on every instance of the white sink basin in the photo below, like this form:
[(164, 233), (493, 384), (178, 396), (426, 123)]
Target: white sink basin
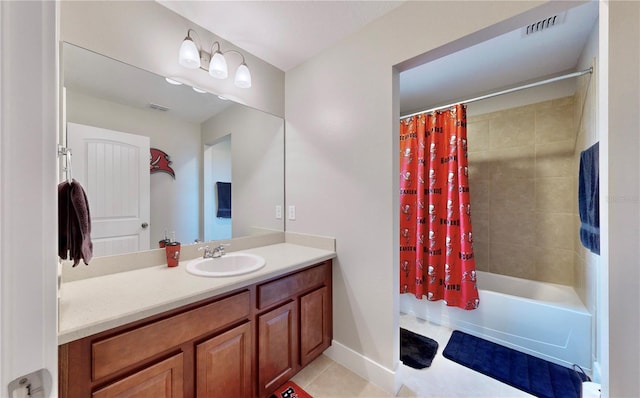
[(230, 264)]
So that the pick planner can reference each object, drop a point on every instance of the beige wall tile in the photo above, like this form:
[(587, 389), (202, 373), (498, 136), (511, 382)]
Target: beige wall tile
[(554, 265), (554, 231), (479, 192), (512, 195), (569, 100), (532, 167), (554, 160), (513, 260), (512, 163), (555, 124), (555, 195), (481, 255), (480, 225), (542, 106), (512, 129), (484, 116), (516, 228), (480, 165), (478, 135)]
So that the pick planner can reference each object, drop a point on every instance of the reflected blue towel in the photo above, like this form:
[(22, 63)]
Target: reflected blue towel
[(224, 199), (588, 199)]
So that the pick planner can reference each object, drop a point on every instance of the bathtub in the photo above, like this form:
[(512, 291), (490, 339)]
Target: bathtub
[(542, 319)]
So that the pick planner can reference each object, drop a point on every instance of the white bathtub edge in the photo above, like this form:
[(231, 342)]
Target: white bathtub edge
[(562, 348)]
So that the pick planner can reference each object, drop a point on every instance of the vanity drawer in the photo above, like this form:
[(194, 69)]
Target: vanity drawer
[(126, 349), (276, 291)]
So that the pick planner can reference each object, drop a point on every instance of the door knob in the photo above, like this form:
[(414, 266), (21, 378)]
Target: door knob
[(145, 225)]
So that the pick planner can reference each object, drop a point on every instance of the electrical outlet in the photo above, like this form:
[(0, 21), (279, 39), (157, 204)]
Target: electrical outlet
[(278, 212), (292, 213)]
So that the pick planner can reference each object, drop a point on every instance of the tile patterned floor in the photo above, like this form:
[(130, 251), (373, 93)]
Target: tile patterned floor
[(324, 378)]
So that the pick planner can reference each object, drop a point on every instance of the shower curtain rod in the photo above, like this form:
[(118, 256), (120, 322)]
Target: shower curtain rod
[(507, 91)]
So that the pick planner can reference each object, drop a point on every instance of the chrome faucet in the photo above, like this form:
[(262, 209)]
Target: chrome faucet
[(208, 253), (215, 252)]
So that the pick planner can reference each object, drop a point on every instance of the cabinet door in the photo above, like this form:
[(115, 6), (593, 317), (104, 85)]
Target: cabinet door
[(277, 352), (223, 364), (315, 333), (164, 379)]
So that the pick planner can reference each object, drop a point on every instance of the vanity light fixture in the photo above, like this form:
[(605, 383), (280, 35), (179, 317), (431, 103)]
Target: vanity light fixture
[(199, 90), (172, 81), (193, 57)]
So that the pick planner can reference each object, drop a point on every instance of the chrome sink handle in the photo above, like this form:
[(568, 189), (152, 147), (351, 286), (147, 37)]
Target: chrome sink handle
[(219, 251), (208, 253)]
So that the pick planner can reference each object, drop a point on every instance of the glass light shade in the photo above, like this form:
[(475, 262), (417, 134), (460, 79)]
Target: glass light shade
[(243, 77), (189, 54), (172, 81), (199, 90), (218, 66)]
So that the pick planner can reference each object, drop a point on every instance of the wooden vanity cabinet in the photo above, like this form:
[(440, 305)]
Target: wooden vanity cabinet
[(161, 380), (223, 364), (165, 355), (241, 344), (294, 324)]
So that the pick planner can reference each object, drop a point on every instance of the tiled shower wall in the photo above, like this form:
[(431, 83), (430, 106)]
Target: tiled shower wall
[(523, 185)]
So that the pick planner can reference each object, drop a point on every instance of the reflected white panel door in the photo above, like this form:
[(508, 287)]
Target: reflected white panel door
[(113, 168)]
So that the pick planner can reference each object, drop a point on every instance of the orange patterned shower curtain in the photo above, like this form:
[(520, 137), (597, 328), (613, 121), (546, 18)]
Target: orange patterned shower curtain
[(436, 251)]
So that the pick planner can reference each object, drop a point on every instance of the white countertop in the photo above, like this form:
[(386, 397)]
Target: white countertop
[(93, 305)]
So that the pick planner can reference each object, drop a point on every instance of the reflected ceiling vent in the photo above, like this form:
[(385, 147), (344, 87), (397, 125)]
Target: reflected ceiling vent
[(158, 107), (544, 24)]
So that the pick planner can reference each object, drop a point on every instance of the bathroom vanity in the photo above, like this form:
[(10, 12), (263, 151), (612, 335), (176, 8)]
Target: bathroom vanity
[(200, 337)]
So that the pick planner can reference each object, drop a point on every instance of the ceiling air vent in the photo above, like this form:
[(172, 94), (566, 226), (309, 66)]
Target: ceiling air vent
[(544, 24), (158, 107)]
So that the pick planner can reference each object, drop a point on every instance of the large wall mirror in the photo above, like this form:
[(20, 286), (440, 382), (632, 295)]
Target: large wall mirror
[(115, 113)]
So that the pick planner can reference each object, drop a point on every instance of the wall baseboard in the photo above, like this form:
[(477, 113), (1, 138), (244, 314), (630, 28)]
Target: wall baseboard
[(368, 369)]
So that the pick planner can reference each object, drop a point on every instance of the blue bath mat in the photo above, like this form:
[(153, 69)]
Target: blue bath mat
[(523, 371)]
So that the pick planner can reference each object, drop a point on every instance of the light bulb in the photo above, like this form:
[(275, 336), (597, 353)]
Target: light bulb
[(243, 76), (189, 54), (218, 66)]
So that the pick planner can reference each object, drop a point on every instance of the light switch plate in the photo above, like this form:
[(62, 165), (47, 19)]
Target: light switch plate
[(278, 212)]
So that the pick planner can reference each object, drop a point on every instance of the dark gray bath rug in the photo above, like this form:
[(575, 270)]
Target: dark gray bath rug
[(416, 351)]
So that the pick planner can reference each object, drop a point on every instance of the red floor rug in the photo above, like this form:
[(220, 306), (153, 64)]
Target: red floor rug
[(290, 390)]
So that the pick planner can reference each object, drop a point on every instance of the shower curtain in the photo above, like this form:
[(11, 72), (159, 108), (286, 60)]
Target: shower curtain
[(436, 251)]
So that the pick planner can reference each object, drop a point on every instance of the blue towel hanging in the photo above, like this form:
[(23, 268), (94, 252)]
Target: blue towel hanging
[(588, 199), (223, 190)]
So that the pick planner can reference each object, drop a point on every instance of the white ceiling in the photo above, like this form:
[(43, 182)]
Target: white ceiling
[(283, 33)]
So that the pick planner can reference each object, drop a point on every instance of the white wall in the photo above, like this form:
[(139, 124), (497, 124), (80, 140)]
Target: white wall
[(257, 168), (28, 211), (621, 251), (148, 35), (342, 164), (175, 203)]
